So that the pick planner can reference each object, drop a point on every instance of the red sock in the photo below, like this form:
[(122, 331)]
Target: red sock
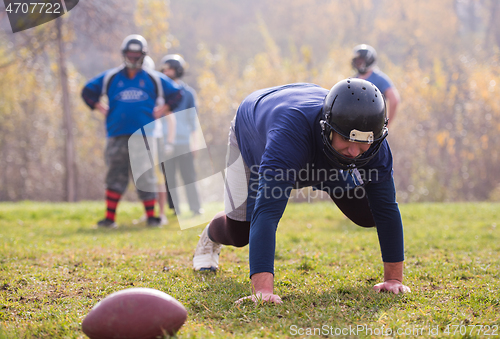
[(112, 199), (150, 207)]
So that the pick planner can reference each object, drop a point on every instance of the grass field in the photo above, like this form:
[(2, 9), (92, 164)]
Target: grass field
[(54, 267)]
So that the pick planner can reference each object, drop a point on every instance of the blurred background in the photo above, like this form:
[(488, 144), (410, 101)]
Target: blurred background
[(443, 57)]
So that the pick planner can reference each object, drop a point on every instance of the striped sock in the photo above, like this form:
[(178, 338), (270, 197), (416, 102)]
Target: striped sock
[(149, 205), (112, 199)]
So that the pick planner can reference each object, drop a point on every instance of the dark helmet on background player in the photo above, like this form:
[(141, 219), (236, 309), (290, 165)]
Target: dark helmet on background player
[(176, 62), (134, 43), (364, 56), (355, 109)]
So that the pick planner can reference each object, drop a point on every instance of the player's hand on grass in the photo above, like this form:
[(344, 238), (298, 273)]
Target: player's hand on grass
[(261, 298), (394, 286), (262, 289)]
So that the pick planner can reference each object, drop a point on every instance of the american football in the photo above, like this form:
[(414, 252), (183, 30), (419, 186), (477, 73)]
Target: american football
[(135, 313)]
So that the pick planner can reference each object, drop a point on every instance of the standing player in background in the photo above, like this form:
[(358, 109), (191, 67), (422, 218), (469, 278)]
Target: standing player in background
[(364, 60), (132, 93), (161, 138), (181, 159)]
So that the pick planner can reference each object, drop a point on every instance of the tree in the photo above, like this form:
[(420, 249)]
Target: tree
[(69, 145), (36, 46)]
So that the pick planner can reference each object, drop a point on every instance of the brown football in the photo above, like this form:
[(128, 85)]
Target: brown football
[(135, 313)]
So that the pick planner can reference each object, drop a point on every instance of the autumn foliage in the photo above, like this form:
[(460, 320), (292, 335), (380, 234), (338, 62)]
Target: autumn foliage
[(443, 57)]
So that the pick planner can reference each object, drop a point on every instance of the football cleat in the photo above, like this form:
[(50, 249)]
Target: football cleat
[(107, 223), (206, 255), (154, 222)]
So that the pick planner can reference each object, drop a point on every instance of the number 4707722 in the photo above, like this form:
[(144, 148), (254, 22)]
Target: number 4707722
[(485, 330), (34, 8)]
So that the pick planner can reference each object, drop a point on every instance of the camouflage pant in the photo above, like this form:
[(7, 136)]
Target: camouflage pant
[(118, 162)]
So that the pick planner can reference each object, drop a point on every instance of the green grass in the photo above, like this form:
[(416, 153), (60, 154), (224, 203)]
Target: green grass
[(54, 267)]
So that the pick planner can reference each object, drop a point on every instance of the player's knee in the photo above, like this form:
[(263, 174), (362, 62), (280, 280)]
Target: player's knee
[(239, 232), (363, 220), (240, 242), (365, 224)]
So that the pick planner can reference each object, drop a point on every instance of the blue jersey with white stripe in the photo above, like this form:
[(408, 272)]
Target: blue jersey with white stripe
[(131, 101)]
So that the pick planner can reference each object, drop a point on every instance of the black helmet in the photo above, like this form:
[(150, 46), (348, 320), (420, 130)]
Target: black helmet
[(364, 56), (134, 43), (355, 109), (176, 62)]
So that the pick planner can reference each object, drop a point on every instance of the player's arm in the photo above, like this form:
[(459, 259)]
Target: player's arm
[(91, 93), (172, 94), (385, 210), (193, 116), (272, 197), (393, 278), (392, 97), (287, 151), (104, 109), (171, 128), (191, 105)]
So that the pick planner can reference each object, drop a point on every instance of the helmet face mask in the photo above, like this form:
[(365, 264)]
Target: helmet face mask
[(134, 48), (355, 109), (133, 59), (364, 57), (339, 160)]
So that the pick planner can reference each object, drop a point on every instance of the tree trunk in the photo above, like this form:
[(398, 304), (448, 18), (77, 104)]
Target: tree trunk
[(493, 25), (69, 148)]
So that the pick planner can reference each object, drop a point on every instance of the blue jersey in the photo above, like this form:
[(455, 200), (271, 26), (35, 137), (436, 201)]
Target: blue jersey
[(380, 79), (131, 101), (279, 136)]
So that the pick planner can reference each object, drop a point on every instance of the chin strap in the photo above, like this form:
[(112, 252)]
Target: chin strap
[(355, 175)]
